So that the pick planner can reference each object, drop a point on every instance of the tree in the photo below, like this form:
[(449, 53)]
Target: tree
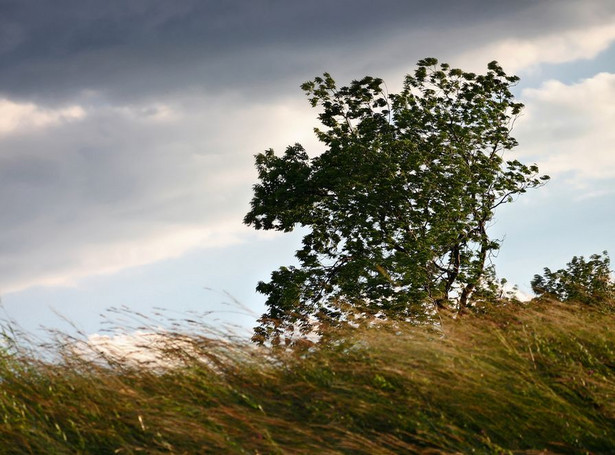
[(581, 281), (397, 207)]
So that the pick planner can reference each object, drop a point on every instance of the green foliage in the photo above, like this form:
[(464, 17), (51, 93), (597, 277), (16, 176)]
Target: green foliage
[(398, 205), (523, 380), (582, 281)]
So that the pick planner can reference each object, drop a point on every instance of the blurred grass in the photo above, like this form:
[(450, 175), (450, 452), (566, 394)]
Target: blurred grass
[(537, 378)]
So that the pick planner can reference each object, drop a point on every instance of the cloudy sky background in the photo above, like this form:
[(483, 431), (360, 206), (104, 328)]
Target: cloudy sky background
[(128, 129)]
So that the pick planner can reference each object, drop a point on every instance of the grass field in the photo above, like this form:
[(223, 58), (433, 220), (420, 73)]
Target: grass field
[(535, 378)]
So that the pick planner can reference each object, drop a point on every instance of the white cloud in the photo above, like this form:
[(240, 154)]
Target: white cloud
[(517, 54), (81, 260), (154, 349), (132, 185), (569, 129), (517, 293), (161, 349), (21, 117)]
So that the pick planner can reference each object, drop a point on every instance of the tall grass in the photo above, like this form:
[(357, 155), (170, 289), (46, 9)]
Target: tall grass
[(513, 379)]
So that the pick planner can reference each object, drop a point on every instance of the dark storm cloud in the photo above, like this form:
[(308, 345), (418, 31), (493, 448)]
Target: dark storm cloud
[(54, 50)]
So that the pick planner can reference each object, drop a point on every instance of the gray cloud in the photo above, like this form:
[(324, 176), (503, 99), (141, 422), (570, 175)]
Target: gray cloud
[(52, 51)]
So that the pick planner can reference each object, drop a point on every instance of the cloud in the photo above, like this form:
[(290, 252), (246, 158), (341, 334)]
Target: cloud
[(134, 184), (554, 46), (127, 129), (81, 260), (141, 348), (25, 117), (145, 49), (569, 129)]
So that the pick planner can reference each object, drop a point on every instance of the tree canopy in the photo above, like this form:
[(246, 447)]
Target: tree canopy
[(585, 281), (397, 207)]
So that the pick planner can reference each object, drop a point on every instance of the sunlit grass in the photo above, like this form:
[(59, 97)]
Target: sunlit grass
[(512, 379)]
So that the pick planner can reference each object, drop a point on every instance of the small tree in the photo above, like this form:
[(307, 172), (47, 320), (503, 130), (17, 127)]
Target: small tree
[(581, 281), (397, 207)]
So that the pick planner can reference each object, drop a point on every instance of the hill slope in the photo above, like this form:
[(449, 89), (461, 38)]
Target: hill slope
[(514, 379)]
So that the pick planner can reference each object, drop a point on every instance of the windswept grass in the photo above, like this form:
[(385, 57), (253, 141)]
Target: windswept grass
[(537, 379)]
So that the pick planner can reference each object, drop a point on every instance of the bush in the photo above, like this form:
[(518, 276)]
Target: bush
[(582, 281)]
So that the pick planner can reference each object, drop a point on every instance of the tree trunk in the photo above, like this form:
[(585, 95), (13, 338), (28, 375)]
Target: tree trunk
[(480, 269)]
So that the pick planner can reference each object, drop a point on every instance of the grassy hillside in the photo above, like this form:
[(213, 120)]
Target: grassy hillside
[(513, 379)]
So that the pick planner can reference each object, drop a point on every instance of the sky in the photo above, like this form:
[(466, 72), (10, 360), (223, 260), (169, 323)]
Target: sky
[(128, 131)]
